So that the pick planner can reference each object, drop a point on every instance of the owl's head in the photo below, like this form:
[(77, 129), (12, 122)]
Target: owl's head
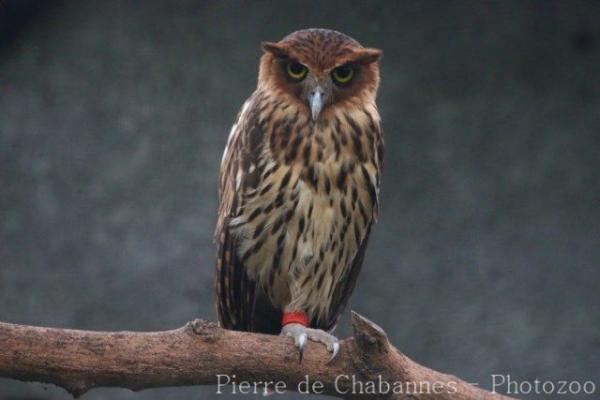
[(320, 69)]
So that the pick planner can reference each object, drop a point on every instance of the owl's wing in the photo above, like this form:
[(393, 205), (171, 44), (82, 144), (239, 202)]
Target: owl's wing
[(240, 306), (345, 286)]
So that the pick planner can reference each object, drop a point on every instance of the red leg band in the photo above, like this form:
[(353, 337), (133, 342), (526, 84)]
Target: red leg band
[(296, 317)]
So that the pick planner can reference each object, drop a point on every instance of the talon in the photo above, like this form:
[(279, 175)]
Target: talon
[(301, 341), (335, 352), (302, 334)]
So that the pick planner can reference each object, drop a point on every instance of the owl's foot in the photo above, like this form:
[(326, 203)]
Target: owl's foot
[(300, 333)]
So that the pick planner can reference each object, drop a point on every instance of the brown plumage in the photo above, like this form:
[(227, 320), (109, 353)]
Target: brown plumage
[(299, 184)]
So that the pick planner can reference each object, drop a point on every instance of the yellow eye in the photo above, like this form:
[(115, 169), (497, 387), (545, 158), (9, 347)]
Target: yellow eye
[(343, 74), (296, 71)]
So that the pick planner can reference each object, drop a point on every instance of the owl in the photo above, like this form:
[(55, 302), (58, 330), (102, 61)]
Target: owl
[(298, 188)]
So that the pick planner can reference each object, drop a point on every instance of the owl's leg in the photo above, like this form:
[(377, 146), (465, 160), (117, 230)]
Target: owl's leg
[(300, 332)]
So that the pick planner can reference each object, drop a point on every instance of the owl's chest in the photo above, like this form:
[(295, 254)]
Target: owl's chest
[(306, 144), (290, 235), (307, 210), (295, 212)]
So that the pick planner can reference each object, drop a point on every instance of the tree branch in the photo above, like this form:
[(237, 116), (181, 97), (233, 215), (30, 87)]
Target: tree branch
[(200, 351)]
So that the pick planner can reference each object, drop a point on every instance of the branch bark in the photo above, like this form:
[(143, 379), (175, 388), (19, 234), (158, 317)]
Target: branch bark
[(200, 351)]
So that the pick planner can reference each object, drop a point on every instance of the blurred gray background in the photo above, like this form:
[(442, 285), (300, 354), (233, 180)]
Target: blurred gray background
[(114, 114)]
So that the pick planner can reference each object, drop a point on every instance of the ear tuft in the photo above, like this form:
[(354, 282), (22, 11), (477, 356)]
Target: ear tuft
[(274, 48), (367, 55)]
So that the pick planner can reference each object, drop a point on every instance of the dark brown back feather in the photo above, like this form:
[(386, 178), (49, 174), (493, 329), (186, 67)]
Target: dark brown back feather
[(240, 304)]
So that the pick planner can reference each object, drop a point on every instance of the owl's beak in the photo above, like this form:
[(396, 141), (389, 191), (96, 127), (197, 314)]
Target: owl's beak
[(316, 101)]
